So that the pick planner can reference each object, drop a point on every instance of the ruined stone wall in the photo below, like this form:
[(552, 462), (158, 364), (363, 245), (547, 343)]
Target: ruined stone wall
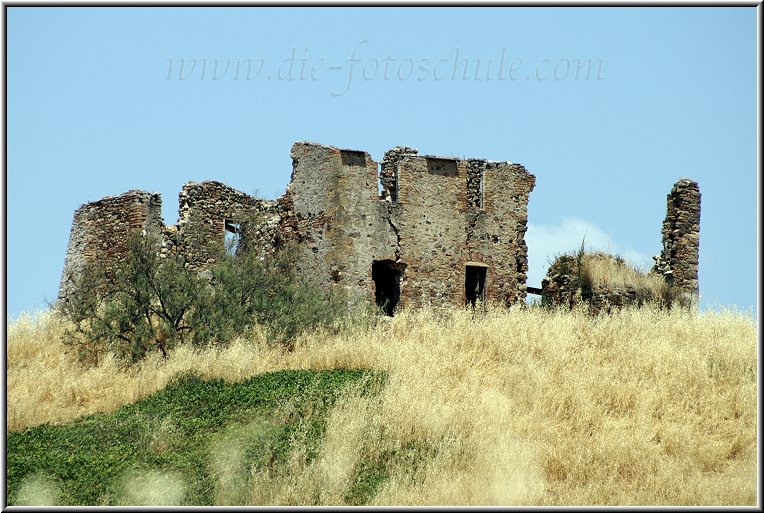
[(101, 230), (388, 174), (430, 220), (204, 208), (332, 209), (678, 261), (677, 264), (423, 224), (497, 218), (452, 213), (565, 285), (412, 241), (435, 221), (561, 286)]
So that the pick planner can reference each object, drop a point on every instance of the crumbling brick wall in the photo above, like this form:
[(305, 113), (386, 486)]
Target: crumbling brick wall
[(421, 227), (435, 219), (561, 286), (678, 261), (101, 230), (453, 213), (429, 217), (497, 219), (331, 208), (388, 173)]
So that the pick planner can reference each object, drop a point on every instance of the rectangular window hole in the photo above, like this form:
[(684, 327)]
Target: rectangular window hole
[(353, 158), (442, 167), (232, 236)]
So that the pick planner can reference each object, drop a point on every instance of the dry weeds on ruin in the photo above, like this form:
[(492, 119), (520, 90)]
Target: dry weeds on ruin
[(605, 271), (531, 406)]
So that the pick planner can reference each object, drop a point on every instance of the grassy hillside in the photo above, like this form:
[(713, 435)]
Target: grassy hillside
[(188, 444), (522, 407)]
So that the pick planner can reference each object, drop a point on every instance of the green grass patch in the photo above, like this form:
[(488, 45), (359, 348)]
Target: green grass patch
[(375, 467), (178, 441)]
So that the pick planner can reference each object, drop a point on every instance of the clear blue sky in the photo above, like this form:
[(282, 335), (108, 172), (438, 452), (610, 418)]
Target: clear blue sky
[(98, 105)]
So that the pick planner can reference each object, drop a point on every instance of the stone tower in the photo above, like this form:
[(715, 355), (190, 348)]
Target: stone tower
[(100, 232), (678, 261)]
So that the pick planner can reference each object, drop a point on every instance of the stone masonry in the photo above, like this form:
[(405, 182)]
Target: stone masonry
[(101, 229), (678, 262), (442, 231), (414, 242), (207, 210)]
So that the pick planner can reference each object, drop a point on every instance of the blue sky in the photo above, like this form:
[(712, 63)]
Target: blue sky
[(98, 104)]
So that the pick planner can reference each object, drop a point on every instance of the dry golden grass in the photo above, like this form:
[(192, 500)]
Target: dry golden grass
[(606, 271), (641, 407)]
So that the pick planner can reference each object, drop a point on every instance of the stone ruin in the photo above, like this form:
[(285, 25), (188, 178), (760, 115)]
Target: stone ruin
[(415, 230), (569, 282), (675, 269), (678, 262)]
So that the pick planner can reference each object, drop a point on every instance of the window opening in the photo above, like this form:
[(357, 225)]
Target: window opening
[(443, 167), (232, 236), (353, 158)]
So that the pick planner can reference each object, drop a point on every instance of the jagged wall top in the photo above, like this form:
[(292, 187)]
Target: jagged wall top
[(433, 217)]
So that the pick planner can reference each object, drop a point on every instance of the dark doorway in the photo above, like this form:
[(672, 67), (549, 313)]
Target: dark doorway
[(474, 283), (387, 280)]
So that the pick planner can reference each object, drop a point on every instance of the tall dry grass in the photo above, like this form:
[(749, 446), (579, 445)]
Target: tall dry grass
[(643, 406), (604, 270)]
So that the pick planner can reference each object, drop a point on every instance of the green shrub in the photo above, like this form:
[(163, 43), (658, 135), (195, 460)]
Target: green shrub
[(144, 304), (152, 303), (249, 290)]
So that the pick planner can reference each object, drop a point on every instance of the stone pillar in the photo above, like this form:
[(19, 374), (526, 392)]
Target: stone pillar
[(678, 262)]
